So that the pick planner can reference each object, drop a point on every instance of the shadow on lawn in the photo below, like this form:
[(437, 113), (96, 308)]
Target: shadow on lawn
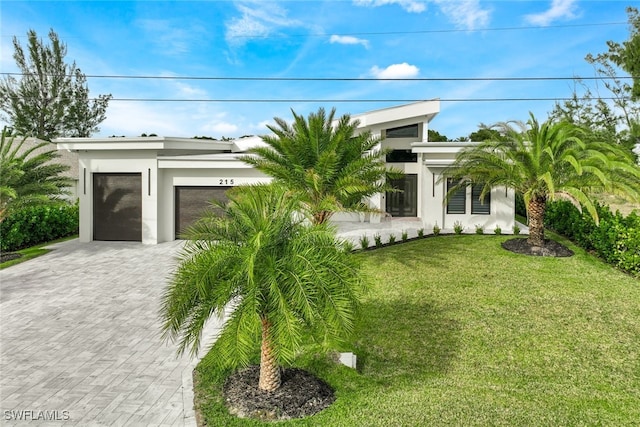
[(404, 338)]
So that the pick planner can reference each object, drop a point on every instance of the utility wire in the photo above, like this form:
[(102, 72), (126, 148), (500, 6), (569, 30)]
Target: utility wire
[(332, 79), (348, 100), (388, 33)]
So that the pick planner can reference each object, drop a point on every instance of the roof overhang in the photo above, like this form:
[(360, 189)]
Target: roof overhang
[(423, 111), (156, 144)]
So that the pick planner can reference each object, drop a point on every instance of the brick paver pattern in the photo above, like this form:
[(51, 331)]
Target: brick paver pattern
[(80, 339)]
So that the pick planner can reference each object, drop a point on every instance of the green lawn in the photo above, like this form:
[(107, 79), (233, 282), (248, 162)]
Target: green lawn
[(458, 331)]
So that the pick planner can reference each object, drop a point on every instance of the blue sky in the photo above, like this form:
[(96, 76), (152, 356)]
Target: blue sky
[(372, 39)]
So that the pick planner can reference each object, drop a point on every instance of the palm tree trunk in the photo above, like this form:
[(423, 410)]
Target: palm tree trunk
[(269, 369), (536, 209), (321, 217)]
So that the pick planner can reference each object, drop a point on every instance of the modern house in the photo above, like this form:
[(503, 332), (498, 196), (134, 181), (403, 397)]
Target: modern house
[(149, 188)]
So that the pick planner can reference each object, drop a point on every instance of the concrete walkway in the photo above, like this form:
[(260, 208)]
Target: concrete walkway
[(80, 341)]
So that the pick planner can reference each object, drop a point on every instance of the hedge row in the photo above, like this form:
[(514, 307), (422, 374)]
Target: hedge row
[(616, 239), (38, 224)]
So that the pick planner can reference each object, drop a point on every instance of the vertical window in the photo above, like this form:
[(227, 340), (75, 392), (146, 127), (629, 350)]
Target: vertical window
[(458, 200), (481, 207)]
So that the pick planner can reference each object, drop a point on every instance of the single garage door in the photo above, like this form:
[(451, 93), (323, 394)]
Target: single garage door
[(192, 201), (117, 206)]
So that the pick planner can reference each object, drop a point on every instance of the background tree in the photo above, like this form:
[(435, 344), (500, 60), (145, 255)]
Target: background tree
[(485, 133), (285, 279), (436, 136), (617, 120), (50, 98), (544, 162), (332, 168), (28, 175)]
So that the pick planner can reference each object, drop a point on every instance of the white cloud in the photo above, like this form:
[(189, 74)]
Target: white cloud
[(560, 9), (412, 6), (467, 14), (395, 71), (258, 19), (221, 128), (348, 40)]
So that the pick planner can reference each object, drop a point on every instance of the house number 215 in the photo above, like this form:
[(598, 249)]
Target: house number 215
[(226, 181)]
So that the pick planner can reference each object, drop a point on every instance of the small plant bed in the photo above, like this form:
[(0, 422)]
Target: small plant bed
[(9, 256), (550, 248), (301, 394)]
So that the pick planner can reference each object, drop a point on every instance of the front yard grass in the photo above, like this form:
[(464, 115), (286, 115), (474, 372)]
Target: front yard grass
[(458, 331)]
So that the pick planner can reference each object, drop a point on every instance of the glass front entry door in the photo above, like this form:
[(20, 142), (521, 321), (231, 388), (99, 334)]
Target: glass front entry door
[(403, 203)]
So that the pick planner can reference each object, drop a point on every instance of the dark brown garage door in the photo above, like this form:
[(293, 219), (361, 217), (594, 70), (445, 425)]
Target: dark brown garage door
[(192, 201), (117, 206)]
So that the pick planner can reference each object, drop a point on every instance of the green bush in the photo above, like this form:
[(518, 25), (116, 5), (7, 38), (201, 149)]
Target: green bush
[(616, 239), (38, 224)]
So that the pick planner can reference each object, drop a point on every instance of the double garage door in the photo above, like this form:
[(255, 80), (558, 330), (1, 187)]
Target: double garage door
[(117, 206)]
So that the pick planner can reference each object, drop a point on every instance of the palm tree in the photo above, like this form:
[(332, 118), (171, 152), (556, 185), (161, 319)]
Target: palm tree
[(331, 166), (282, 275), (28, 175), (544, 162)]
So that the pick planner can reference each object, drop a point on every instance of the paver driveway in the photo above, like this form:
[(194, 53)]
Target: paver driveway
[(80, 341)]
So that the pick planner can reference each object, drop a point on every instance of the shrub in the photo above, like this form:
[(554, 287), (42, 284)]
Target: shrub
[(421, 232), (378, 240), (436, 229), (479, 229), (516, 229), (497, 230), (405, 235), (616, 239), (392, 239), (458, 228), (38, 224), (364, 242)]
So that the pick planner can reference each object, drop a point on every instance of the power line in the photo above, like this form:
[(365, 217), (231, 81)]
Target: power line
[(348, 100), (390, 33), (451, 30), (332, 79)]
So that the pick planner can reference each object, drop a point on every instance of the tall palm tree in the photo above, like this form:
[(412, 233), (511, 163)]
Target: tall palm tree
[(29, 174), (332, 167), (282, 275), (544, 162)]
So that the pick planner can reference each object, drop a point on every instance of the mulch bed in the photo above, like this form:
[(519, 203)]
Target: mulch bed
[(301, 394), (8, 256), (551, 248)]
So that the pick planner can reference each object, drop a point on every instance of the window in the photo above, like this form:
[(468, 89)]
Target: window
[(481, 207), (410, 131), (402, 156), (458, 199)]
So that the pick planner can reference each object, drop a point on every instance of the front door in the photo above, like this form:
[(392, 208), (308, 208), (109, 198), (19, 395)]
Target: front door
[(403, 203)]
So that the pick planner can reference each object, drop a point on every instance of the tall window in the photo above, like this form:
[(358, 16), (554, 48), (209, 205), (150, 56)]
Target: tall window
[(477, 206), (458, 200), (410, 131)]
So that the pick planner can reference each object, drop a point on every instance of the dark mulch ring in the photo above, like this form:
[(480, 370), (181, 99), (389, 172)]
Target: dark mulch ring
[(551, 248), (8, 256), (301, 394)]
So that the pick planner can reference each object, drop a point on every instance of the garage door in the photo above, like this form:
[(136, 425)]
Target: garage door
[(192, 201), (117, 206)]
